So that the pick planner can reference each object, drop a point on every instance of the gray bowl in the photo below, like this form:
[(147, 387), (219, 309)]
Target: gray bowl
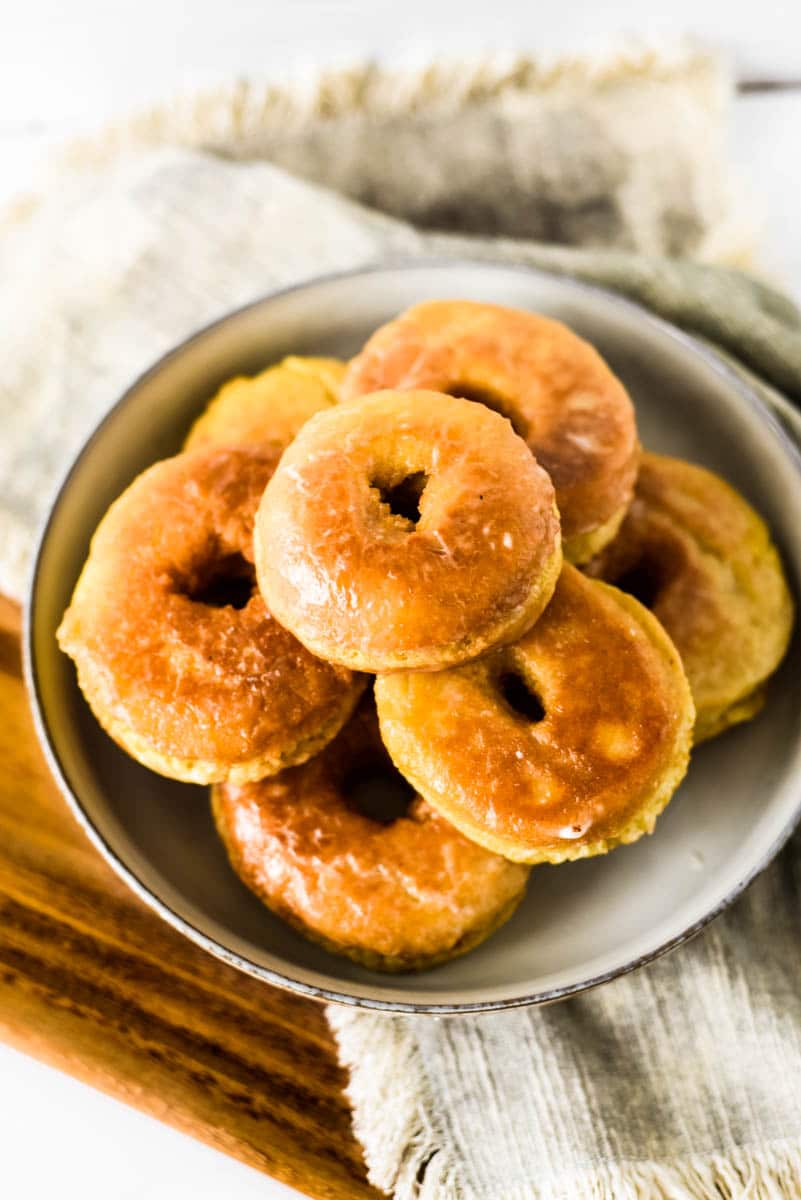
[(581, 924)]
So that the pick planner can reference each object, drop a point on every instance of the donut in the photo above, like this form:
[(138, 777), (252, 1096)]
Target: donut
[(564, 745), (556, 390), (695, 552), (269, 408), (409, 530), (394, 894), (176, 654)]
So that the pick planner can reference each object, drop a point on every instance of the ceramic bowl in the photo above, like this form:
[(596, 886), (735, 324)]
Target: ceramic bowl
[(581, 924)]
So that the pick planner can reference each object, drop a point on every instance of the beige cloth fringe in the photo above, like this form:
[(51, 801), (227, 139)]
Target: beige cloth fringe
[(626, 149)]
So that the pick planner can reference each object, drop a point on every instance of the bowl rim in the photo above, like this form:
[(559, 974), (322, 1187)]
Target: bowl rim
[(686, 341)]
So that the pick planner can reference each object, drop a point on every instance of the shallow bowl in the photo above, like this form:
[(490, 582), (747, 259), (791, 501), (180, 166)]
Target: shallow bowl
[(581, 924)]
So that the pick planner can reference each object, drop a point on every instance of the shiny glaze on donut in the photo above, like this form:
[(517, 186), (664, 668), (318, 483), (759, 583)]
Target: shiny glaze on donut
[(703, 562), (188, 684), (555, 388), (609, 750), (268, 409), (362, 586), (394, 896)]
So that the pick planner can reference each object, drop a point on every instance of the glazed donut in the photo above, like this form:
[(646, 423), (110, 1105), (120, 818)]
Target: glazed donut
[(410, 530), (556, 390), (564, 745), (269, 408), (176, 654), (395, 895), (695, 552)]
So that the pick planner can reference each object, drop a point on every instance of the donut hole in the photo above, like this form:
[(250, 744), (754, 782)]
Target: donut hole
[(480, 394), (378, 791), (643, 580), (402, 497), (227, 582), (519, 696)]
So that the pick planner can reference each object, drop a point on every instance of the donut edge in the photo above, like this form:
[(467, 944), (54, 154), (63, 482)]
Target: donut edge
[(582, 547), (203, 772), (455, 654), (371, 960)]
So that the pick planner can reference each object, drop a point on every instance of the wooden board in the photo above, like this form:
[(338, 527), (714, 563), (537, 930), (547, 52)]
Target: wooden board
[(93, 983)]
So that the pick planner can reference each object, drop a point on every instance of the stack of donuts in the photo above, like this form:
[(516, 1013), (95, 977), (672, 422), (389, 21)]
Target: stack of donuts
[(423, 621)]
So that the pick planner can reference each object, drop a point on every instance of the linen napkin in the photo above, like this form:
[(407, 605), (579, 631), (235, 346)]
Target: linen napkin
[(685, 1079)]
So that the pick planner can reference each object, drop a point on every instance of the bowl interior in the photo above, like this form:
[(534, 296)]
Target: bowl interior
[(579, 922)]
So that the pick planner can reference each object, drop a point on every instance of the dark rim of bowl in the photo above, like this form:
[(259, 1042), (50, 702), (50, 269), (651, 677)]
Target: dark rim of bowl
[(690, 344)]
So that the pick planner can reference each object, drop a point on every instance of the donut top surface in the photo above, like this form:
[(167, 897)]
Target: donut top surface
[(408, 529), (557, 391), (268, 409), (699, 556), (173, 643), (561, 745), (406, 888)]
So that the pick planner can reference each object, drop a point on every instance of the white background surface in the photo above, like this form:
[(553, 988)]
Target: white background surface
[(65, 67)]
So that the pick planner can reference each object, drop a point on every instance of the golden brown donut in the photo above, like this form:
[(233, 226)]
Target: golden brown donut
[(564, 745), (177, 655), (695, 552), (394, 896), (411, 529), (269, 408), (556, 390)]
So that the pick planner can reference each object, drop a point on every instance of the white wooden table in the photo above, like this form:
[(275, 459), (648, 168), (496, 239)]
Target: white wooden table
[(68, 67)]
